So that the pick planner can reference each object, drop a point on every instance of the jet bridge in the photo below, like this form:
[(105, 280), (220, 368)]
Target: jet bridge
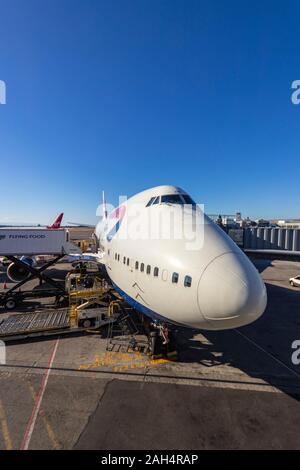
[(31, 242)]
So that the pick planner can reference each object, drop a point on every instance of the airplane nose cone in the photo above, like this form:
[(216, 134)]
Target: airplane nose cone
[(231, 292)]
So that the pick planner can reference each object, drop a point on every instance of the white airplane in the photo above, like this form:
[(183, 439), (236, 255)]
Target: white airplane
[(213, 286)]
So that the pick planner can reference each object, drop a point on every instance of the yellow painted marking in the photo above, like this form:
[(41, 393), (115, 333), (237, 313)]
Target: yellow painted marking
[(50, 431), (47, 425), (123, 361), (4, 429)]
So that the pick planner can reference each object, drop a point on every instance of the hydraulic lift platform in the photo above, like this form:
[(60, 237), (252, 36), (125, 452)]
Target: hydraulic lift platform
[(14, 296)]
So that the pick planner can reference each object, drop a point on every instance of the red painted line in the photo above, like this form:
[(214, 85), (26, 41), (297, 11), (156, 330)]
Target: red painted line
[(38, 401)]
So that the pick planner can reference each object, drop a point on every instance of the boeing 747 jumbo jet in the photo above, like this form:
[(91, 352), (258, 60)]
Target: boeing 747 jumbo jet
[(168, 260)]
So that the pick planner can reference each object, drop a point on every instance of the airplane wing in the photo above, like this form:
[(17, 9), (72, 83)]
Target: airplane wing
[(77, 224)]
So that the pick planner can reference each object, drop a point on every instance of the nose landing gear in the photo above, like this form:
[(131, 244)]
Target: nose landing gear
[(162, 341)]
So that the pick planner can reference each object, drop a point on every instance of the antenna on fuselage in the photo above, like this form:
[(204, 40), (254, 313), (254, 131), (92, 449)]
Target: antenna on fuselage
[(104, 211)]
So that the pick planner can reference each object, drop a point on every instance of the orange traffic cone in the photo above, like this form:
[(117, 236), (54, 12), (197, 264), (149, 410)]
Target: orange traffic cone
[(5, 285)]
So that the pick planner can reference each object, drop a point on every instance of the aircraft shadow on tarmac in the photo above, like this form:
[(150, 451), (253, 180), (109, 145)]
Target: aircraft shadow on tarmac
[(263, 350)]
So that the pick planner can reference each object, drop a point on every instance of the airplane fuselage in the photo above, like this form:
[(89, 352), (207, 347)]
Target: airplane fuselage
[(196, 277)]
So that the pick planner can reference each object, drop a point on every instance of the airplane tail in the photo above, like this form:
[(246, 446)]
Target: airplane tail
[(57, 222), (104, 211)]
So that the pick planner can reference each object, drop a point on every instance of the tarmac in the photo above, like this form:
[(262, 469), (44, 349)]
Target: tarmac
[(237, 389)]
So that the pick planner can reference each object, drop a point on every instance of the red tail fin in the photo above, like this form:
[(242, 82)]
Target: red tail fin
[(57, 222)]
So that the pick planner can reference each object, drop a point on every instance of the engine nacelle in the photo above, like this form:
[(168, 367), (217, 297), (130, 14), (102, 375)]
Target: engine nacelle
[(17, 273)]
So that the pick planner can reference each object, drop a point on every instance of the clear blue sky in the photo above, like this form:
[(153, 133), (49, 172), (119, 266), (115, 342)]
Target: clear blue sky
[(122, 95)]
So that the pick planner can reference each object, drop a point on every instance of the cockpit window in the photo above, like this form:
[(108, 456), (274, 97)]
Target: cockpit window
[(150, 202), (153, 200), (188, 199), (172, 199)]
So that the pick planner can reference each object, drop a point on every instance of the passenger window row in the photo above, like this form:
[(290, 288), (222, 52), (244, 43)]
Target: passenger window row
[(141, 266)]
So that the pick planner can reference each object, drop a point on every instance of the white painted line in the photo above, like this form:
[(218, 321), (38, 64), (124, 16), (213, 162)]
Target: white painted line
[(38, 401)]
